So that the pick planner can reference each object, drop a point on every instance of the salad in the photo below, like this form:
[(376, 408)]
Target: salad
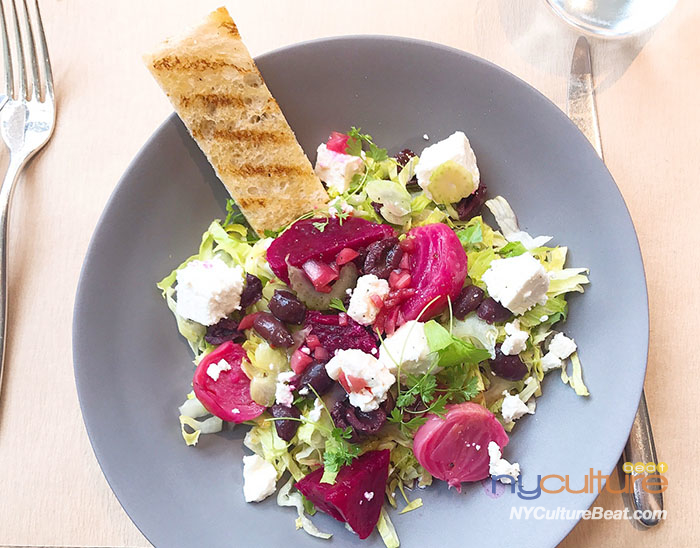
[(389, 340)]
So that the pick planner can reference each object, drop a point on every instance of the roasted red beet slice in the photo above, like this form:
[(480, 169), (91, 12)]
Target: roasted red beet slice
[(357, 495), (228, 397), (303, 241), (454, 448), (438, 268), (334, 336)]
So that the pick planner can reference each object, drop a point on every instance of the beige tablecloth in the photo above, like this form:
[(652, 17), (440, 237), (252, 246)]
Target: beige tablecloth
[(52, 492)]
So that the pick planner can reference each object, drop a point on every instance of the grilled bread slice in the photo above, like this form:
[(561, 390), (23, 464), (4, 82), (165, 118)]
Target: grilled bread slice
[(219, 94)]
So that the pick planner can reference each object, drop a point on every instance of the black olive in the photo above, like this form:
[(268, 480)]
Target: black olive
[(272, 330)]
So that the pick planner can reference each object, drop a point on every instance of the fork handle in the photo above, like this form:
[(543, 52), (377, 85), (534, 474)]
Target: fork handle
[(8, 184), (640, 448)]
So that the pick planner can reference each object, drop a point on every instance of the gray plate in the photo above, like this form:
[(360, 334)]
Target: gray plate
[(133, 370)]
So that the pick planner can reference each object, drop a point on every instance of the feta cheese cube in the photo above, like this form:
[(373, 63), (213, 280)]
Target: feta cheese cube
[(283, 390), (513, 407), (337, 169), (455, 148), (518, 283), (364, 377), (208, 291), (260, 478), (501, 467), (215, 369), (562, 346), (362, 308), (408, 347), (516, 341)]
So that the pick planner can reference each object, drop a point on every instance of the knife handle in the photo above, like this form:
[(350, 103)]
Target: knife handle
[(640, 448)]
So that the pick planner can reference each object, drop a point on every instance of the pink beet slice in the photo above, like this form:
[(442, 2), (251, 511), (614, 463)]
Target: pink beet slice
[(228, 397), (454, 448), (303, 241), (357, 495), (438, 267)]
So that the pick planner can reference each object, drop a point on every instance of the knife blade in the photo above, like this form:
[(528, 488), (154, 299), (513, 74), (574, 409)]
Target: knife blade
[(581, 108)]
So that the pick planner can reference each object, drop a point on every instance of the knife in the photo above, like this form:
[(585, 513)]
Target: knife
[(581, 108)]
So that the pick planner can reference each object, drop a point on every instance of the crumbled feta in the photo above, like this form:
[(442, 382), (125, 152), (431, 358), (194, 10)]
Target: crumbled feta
[(455, 148), (518, 283), (260, 478), (215, 369), (314, 415), (550, 361), (337, 169), (366, 379), (208, 291), (235, 411), (501, 467), (516, 341), (283, 391), (304, 391), (562, 346), (362, 308), (369, 495), (408, 347), (512, 407), (425, 137), (544, 318)]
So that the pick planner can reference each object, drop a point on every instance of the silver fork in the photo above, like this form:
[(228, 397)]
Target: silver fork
[(27, 118)]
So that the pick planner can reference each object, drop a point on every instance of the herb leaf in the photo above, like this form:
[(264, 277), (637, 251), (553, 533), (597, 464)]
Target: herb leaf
[(337, 304), (357, 139), (338, 453)]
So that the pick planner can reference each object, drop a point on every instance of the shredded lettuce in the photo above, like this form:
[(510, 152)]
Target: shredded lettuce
[(417, 503), (286, 498), (567, 280), (208, 426), (576, 378), (477, 331), (508, 223), (387, 530), (263, 440)]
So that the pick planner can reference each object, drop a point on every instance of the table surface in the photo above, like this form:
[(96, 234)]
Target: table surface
[(52, 492)]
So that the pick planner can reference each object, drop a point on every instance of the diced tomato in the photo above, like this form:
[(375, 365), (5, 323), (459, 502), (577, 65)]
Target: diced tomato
[(405, 263), (337, 142), (351, 383), (300, 361), (345, 256), (312, 342), (320, 274), (247, 321)]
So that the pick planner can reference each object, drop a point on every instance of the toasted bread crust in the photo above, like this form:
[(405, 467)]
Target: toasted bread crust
[(218, 92)]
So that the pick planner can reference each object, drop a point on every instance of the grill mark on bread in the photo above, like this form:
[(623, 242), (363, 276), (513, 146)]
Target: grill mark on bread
[(244, 136), (231, 28), (277, 170), (196, 64), (210, 100)]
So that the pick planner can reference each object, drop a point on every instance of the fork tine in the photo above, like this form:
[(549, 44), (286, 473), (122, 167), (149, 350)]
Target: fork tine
[(44, 50), (20, 55), (36, 83), (7, 56)]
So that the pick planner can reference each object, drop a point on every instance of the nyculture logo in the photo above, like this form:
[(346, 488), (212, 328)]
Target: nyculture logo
[(593, 482)]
